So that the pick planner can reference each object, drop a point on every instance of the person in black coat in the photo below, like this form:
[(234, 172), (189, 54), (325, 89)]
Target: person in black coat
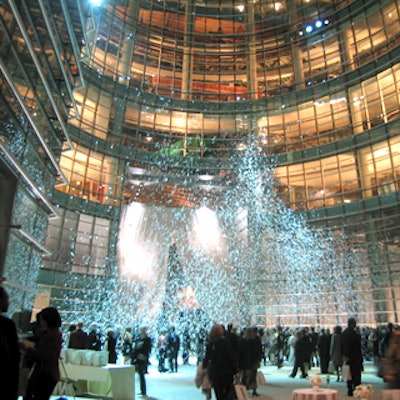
[(9, 352), (111, 347), (249, 359), (78, 339), (172, 349), (233, 338), (352, 354), (324, 347), (220, 363), (302, 351), (44, 355), (140, 357), (94, 339)]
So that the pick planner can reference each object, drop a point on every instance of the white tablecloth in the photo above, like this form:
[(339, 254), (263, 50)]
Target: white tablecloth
[(311, 394), (116, 381)]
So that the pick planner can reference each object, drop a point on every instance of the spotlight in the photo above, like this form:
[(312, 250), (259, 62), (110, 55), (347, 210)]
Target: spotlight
[(309, 28), (318, 23)]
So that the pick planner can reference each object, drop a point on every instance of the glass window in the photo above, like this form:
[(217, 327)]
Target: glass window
[(325, 182), (380, 171)]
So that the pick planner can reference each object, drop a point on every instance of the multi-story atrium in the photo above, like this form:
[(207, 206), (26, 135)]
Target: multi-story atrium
[(235, 160)]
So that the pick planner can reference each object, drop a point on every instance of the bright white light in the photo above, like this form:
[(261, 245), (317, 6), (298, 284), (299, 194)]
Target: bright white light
[(96, 3), (137, 255), (240, 7), (381, 153), (206, 177), (207, 229), (309, 28), (338, 100), (318, 23)]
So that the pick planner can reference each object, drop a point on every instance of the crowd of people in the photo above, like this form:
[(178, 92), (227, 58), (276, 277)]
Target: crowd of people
[(231, 354), (226, 355)]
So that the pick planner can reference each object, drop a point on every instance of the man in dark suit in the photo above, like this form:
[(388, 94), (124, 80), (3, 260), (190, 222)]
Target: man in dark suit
[(78, 339), (351, 350)]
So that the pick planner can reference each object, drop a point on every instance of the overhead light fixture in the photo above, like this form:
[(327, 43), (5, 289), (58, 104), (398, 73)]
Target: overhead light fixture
[(206, 177), (318, 23), (309, 28)]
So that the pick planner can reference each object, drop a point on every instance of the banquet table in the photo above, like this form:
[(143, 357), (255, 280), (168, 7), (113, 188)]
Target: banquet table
[(311, 394), (114, 381)]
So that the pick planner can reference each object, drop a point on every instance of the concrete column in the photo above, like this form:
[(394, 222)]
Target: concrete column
[(124, 66), (346, 58), (251, 59), (363, 173), (298, 69), (127, 45), (187, 63)]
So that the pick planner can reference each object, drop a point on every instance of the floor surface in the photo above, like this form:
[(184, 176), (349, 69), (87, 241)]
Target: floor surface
[(279, 386)]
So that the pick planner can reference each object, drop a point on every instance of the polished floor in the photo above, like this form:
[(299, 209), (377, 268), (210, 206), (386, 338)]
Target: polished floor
[(279, 386)]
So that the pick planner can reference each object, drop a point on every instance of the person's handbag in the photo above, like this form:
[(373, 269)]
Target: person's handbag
[(260, 379), (241, 392), (200, 372), (346, 372), (202, 379)]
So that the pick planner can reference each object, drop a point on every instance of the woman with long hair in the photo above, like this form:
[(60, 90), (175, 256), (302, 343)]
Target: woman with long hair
[(220, 363), (44, 354)]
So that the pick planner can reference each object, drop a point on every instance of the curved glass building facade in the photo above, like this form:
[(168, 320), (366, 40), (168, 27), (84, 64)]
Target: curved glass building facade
[(254, 110)]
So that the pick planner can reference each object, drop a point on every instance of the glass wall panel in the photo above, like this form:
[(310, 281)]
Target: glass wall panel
[(389, 93), (379, 171), (92, 175), (321, 183), (79, 244)]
